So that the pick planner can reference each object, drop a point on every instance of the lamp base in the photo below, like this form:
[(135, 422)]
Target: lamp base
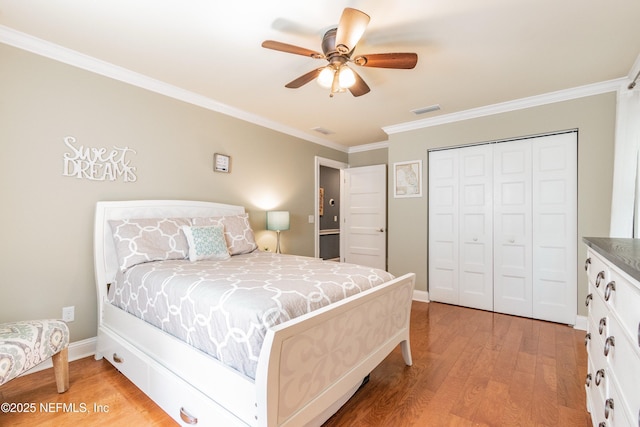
[(278, 242)]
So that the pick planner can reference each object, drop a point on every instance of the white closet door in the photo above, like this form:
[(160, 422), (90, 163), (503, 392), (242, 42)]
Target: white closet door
[(555, 171), (443, 226), (476, 236), (512, 229)]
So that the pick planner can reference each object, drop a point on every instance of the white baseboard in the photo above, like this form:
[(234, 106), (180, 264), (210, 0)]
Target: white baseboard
[(77, 350), (581, 323), (422, 296)]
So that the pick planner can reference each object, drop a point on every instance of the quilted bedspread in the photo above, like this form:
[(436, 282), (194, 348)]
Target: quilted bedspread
[(224, 308)]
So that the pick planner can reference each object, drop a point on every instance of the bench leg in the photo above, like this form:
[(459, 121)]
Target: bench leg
[(61, 369)]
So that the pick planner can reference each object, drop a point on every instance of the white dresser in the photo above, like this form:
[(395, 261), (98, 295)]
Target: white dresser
[(613, 332)]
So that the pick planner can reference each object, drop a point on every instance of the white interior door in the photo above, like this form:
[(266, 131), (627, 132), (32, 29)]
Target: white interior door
[(476, 222), (512, 229), (365, 216), (555, 170), (443, 226)]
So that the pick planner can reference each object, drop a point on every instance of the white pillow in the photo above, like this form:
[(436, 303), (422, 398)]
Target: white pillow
[(206, 242)]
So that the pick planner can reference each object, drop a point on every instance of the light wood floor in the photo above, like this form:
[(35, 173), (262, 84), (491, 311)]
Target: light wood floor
[(470, 368)]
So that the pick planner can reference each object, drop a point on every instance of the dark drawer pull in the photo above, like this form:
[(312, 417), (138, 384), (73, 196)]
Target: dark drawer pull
[(586, 264), (608, 343), (587, 380), (608, 407), (599, 376), (587, 337), (588, 300), (611, 286), (602, 325), (599, 279), (117, 358)]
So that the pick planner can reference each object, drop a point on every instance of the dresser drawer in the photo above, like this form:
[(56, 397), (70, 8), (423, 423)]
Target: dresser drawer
[(595, 397), (615, 410), (598, 313), (624, 299), (599, 368), (624, 360)]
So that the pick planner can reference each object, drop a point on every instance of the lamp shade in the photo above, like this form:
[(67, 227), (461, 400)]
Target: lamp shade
[(277, 220)]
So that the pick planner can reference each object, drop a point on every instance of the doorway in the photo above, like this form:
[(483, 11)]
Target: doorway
[(327, 216)]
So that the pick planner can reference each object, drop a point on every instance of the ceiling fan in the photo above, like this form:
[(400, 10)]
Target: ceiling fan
[(338, 45)]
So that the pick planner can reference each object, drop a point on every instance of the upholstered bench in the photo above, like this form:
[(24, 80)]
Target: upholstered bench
[(24, 345)]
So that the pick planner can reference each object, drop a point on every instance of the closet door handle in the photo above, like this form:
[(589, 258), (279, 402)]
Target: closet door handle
[(609, 342), (611, 286), (588, 300), (599, 278), (586, 264)]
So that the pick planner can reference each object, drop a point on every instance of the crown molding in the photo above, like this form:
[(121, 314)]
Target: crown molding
[(56, 52), (368, 147), (504, 107)]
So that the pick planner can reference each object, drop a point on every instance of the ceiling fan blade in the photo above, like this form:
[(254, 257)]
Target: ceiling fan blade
[(303, 79), (359, 88), (350, 29), (388, 60), (289, 48)]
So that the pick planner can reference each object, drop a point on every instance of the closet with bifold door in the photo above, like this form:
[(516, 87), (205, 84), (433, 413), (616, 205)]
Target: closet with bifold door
[(503, 226)]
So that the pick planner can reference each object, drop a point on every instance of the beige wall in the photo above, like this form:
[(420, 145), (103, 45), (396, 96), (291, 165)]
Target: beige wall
[(594, 117), (369, 158), (46, 258)]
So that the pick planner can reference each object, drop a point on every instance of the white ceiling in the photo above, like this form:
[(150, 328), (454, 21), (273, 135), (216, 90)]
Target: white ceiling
[(471, 53)]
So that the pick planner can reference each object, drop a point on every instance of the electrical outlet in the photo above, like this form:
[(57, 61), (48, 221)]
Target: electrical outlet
[(68, 313)]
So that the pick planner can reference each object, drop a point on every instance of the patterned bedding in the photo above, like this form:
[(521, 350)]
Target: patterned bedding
[(224, 307)]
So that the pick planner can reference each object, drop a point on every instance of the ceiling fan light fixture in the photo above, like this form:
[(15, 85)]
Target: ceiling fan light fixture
[(346, 77), (325, 78)]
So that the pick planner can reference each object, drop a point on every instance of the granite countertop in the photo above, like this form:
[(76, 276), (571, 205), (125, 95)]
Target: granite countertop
[(623, 253)]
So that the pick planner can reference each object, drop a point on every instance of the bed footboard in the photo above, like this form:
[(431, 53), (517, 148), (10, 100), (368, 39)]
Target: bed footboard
[(314, 360)]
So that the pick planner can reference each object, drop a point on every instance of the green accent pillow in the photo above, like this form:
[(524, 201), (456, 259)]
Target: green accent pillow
[(206, 242)]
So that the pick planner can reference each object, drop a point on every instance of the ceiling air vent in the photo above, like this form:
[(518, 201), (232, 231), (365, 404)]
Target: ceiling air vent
[(428, 109), (323, 131)]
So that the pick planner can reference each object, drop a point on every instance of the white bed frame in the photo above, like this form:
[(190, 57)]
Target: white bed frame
[(307, 369)]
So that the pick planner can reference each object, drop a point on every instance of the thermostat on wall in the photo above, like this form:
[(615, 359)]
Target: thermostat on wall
[(221, 163)]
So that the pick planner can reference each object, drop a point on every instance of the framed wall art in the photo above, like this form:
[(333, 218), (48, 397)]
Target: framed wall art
[(407, 179)]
